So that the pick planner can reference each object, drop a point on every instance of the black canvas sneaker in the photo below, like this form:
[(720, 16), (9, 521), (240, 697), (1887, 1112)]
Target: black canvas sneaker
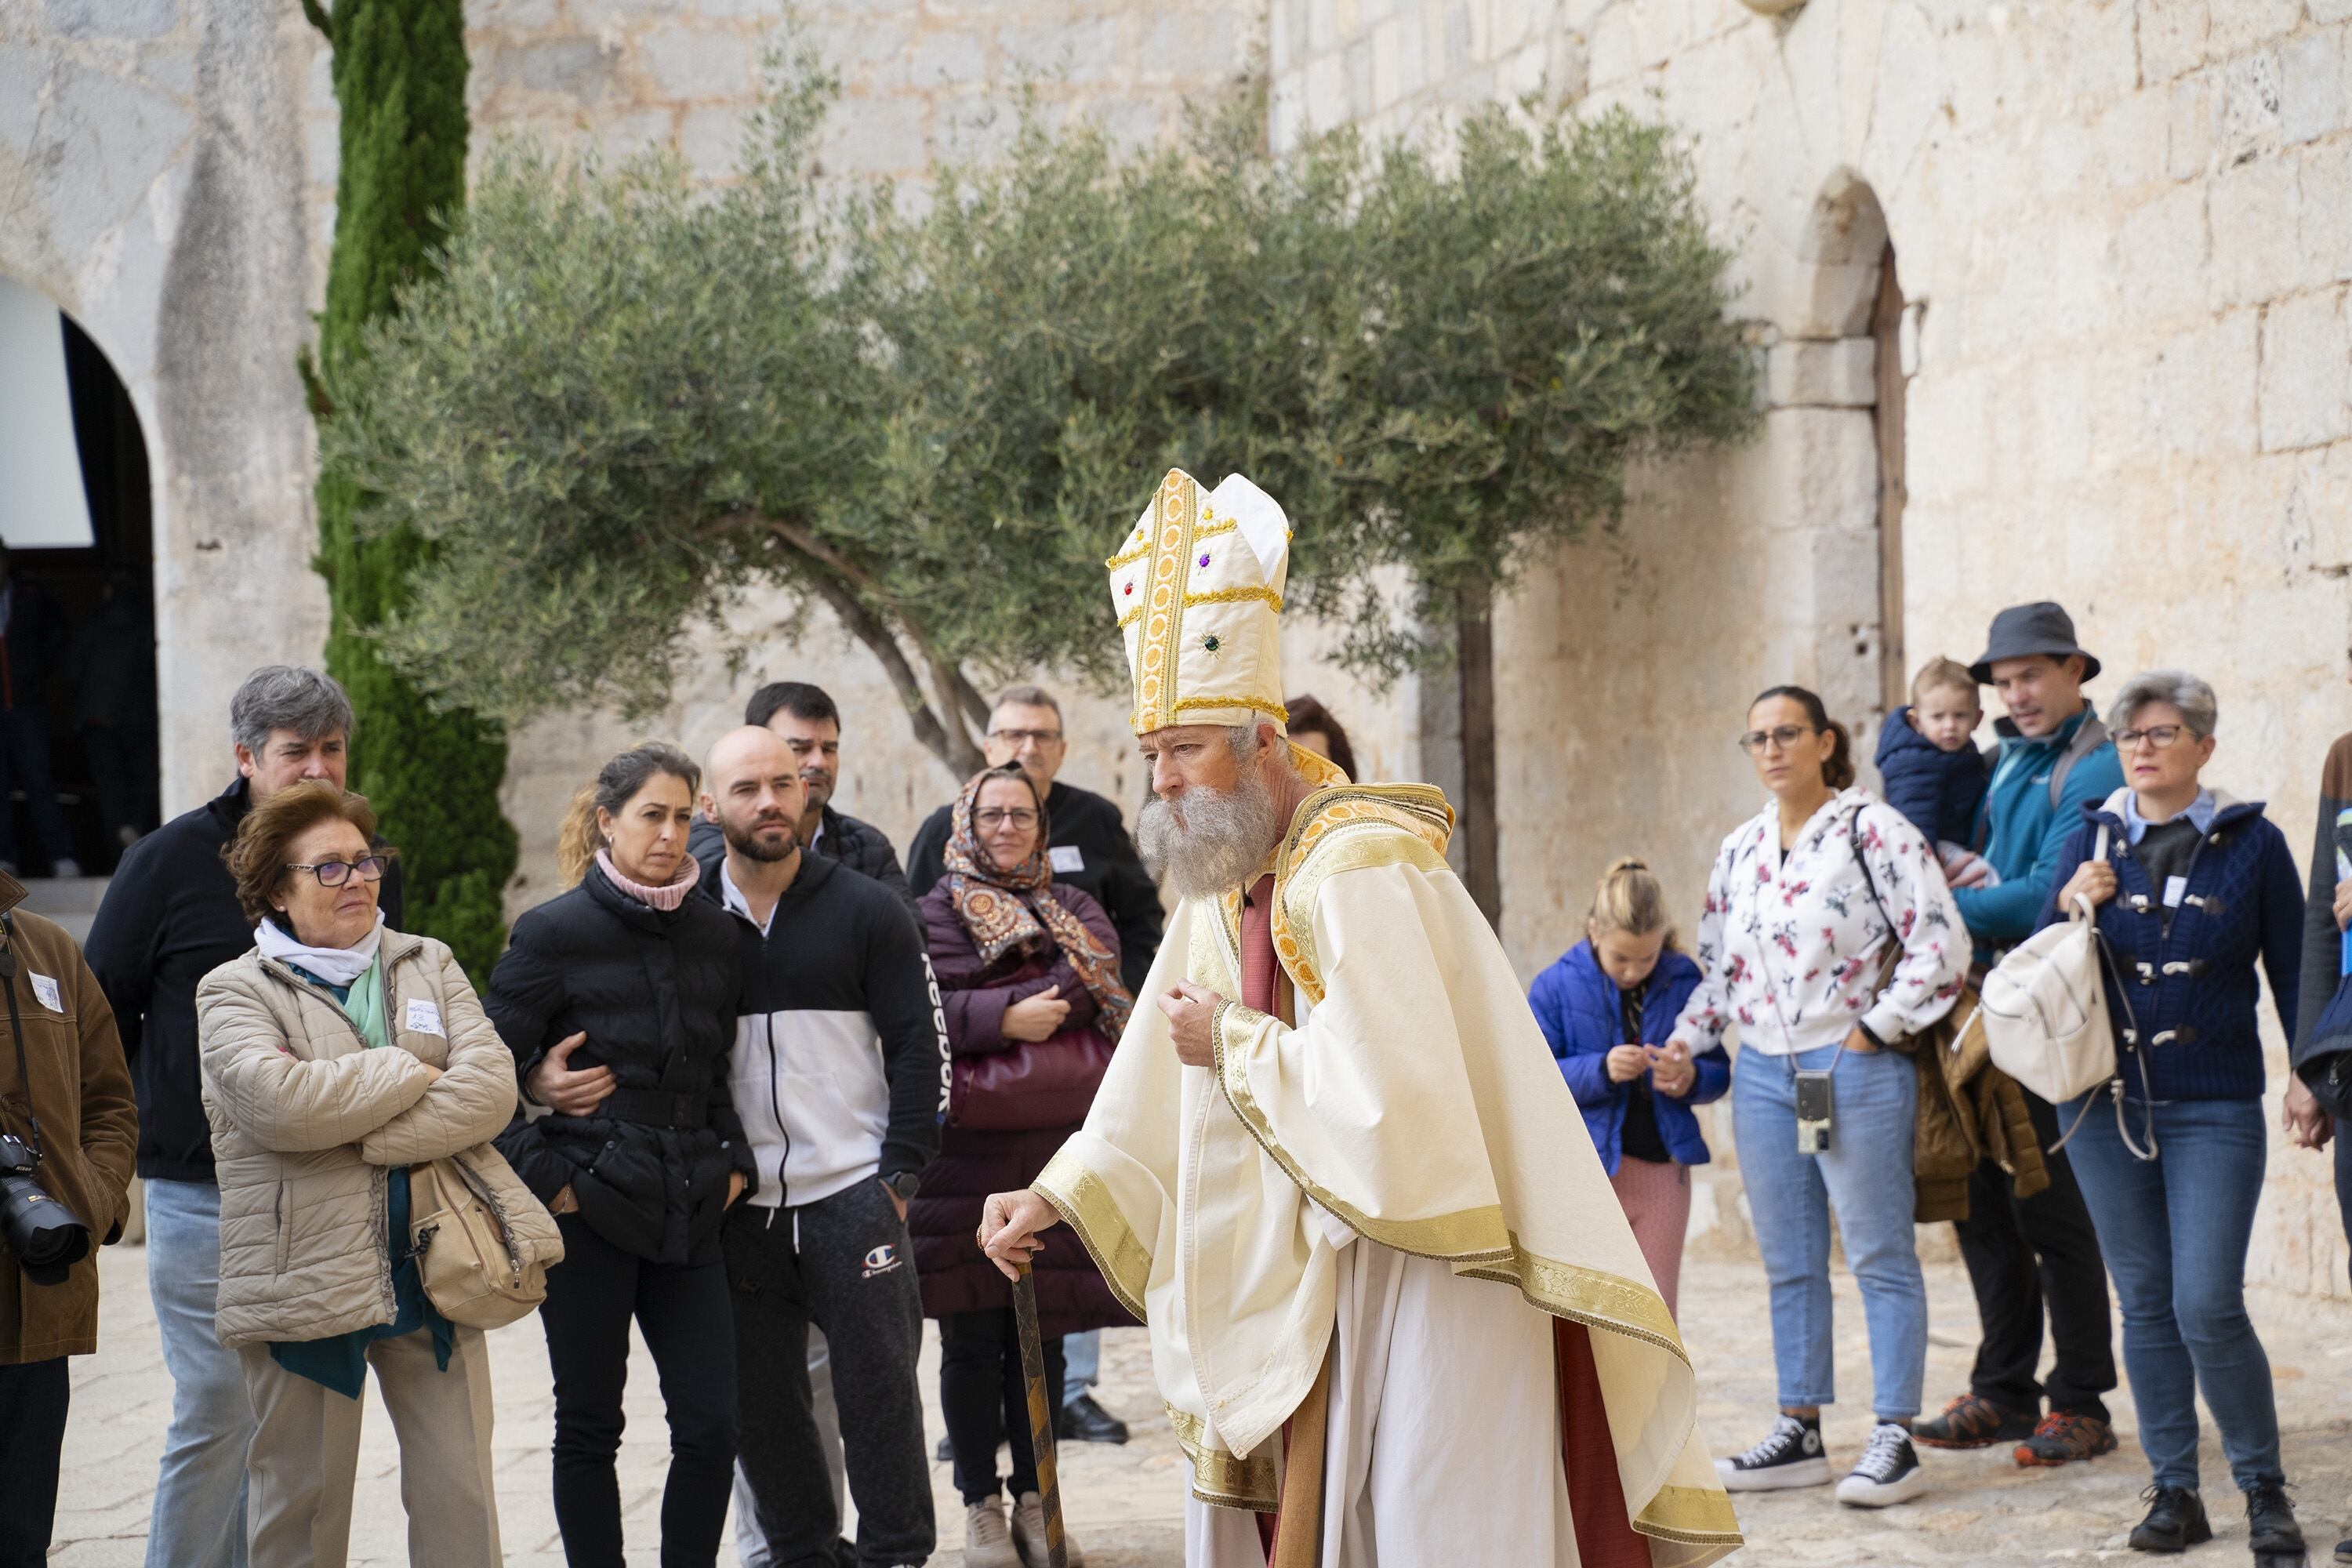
[(1790, 1456), (1888, 1472)]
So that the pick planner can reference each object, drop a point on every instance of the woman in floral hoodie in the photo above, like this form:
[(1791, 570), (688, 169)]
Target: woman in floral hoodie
[(1795, 943)]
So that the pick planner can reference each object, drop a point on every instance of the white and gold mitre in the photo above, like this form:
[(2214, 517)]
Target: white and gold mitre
[(1197, 587)]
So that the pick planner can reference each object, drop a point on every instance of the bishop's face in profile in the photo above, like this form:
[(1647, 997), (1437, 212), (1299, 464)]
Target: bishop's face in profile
[(1216, 809)]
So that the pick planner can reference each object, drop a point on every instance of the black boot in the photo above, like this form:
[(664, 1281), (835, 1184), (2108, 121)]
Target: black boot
[(2175, 1523), (2270, 1521)]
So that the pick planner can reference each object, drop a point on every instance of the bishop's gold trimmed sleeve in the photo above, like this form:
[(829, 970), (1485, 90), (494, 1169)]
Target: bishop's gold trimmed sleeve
[(1327, 1100), (1113, 1203)]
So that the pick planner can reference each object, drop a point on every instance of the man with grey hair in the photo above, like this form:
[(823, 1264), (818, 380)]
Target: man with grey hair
[(170, 917)]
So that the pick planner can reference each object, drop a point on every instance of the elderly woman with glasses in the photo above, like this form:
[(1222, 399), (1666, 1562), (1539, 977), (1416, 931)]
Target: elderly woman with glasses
[(336, 1054), (2193, 892)]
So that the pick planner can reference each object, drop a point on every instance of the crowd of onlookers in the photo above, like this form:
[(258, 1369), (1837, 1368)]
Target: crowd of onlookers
[(743, 1085), (1842, 935)]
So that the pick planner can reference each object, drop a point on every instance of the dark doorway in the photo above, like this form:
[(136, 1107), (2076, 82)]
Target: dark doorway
[(95, 677)]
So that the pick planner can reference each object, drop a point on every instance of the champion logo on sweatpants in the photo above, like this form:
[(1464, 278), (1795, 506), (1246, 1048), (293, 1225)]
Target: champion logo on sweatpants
[(883, 1259)]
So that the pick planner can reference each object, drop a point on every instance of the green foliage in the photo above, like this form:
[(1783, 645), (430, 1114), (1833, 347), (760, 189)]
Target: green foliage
[(400, 80), (622, 404)]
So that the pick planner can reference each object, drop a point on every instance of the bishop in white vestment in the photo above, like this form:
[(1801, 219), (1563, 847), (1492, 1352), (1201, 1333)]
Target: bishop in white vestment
[(1398, 1318)]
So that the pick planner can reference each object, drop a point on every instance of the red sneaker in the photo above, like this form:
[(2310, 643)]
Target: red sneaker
[(2063, 1437)]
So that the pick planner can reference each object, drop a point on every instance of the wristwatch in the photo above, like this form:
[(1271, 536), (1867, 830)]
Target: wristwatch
[(904, 1186)]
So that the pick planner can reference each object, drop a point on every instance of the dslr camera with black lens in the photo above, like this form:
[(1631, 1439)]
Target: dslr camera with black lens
[(44, 1236)]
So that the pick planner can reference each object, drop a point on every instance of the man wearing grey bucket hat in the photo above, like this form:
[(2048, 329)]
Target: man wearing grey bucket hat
[(2026, 1256)]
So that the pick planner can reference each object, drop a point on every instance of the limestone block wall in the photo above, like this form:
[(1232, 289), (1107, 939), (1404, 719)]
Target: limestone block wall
[(151, 170), (2119, 225)]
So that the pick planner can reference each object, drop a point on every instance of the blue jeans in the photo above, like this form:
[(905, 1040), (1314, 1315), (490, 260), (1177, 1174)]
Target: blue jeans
[(1864, 1178), (1081, 1363), (2174, 1230), (199, 1520)]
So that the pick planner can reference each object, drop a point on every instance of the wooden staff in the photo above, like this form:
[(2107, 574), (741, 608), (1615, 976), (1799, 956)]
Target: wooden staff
[(1041, 1415)]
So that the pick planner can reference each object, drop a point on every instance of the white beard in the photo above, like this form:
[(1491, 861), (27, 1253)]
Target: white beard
[(1221, 841)]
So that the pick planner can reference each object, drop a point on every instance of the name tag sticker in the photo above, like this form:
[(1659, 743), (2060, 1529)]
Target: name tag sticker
[(47, 989), (1067, 858), (423, 1018), (2175, 887)]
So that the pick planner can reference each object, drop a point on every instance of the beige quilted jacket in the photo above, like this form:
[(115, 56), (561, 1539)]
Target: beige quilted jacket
[(306, 1121)]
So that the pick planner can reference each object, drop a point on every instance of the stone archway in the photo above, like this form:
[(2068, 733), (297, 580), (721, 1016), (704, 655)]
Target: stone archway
[(77, 512), (1837, 368)]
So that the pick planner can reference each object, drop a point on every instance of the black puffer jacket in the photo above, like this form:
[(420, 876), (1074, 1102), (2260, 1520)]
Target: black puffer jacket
[(657, 992)]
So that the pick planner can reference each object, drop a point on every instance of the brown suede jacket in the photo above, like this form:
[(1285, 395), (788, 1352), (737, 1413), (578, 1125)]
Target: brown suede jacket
[(1970, 1111), (81, 1093)]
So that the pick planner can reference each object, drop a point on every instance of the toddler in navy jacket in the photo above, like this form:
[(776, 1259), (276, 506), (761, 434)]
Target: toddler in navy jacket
[(1608, 1009), (1928, 764)]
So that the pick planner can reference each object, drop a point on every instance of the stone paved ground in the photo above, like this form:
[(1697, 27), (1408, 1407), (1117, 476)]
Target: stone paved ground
[(1125, 1503)]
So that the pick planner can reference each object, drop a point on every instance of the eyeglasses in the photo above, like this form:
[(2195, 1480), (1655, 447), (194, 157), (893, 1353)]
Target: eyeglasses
[(992, 819), (1019, 737), (1781, 738), (2161, 736), (335, 873)]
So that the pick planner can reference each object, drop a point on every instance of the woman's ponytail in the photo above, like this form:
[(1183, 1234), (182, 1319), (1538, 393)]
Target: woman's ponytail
[(1837, 772), (578, 839), (1628, 898)]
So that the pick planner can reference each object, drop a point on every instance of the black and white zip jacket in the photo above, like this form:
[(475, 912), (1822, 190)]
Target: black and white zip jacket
[(840, 1064)]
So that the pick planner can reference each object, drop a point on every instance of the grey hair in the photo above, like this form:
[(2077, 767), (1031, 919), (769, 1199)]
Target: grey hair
[(1244, 739), (1028, 696), (309, 702), (2183, 691)]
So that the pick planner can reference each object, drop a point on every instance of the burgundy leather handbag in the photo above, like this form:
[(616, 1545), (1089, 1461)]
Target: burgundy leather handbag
[(1031, 1085)]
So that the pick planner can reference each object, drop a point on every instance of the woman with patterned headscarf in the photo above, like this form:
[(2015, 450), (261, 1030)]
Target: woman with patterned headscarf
[(1028, 972)]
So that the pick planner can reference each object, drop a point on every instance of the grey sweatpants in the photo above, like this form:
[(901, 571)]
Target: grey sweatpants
[(842, 1263)]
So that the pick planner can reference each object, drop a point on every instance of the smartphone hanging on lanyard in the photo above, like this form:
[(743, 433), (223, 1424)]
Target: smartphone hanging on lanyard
[(1815, 1113)]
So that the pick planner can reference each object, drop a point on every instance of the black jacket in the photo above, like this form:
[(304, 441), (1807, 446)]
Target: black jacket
[(1107, 869), (841, 1062), (860, 845), (169, 918), (656, 993)]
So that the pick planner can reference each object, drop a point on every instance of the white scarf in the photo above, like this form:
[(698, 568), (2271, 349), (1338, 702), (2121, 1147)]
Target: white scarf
[(335, 965)]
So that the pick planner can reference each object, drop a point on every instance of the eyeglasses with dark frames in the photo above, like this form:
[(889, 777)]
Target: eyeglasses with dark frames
[(1782, 737), (335, 873), (2161, 736)]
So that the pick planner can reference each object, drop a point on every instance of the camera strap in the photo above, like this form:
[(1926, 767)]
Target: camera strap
[(16, 1024)]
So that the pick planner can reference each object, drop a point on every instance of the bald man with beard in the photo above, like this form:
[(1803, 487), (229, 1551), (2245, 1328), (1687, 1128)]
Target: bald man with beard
[(840, 1070)]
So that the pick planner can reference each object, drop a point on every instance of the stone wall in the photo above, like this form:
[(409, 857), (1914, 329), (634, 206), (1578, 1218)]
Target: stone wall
[(2120, 227), (151, 185)]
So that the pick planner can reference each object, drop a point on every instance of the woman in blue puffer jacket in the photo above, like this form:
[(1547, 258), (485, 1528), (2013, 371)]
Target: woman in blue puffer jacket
[(2194, 893), (1608, 1007)]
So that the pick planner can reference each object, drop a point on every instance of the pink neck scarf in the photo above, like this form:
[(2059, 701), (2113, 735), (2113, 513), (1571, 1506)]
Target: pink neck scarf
[(667, 897)]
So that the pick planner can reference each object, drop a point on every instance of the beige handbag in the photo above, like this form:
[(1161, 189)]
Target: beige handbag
[(474, 1269), (2045, 1012)]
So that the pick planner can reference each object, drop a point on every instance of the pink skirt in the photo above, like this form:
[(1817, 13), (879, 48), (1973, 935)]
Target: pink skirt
[(1656, 1199)]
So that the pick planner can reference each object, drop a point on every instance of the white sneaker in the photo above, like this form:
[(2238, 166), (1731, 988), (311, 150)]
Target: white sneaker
[(1888, 1472), (1029, 1534), (1790, 1456), (67, 866), (987, 1543)]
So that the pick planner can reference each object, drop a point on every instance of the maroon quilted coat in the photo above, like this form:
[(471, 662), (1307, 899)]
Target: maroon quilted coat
[(973, 1163)]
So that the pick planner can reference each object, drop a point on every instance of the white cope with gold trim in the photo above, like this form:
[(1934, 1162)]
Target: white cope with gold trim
[(1418, 1105)]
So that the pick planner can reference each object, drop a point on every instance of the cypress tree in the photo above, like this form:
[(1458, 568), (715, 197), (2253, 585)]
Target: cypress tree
[(432, 778)]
